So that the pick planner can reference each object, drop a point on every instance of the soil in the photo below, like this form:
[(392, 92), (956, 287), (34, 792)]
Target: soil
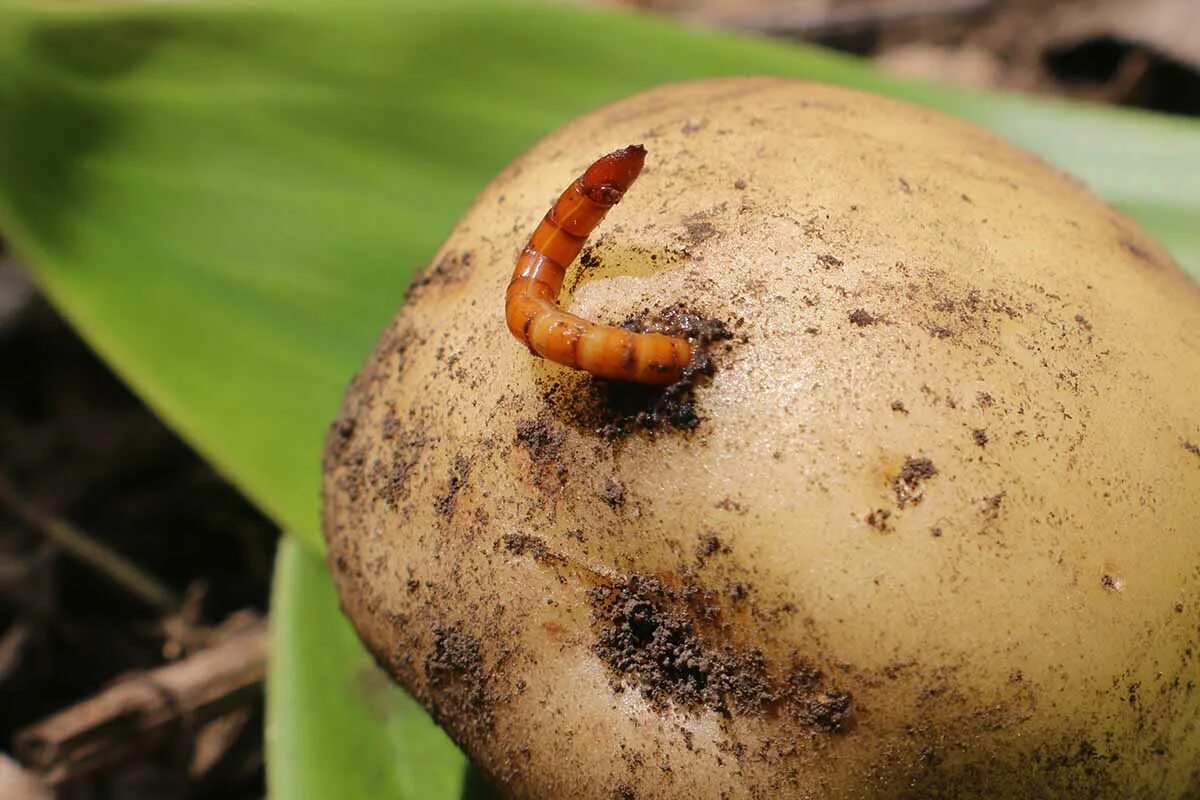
[(862, 318), (668, 644), (79, 445), (456, 673), (908, 484), (615, 409)]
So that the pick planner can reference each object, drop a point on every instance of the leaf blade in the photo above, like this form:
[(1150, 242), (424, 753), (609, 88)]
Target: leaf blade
[(336, 725)]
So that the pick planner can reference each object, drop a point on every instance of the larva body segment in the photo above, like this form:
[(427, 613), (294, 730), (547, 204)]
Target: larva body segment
[(531, 303)]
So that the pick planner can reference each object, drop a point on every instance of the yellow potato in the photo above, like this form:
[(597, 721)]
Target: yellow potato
[(935, 532)]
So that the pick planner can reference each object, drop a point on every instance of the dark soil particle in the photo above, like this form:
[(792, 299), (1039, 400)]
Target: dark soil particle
[(899, 407), (455, 655), (698, 233), (979, 436), (991, 505), (862, 318), (588, 258), (459, 472), (541, 439), (407, 449), (525, 544), (615, 409), (879, 519), (710, 545), (908, 484), (651, 636), (613, 494), (451, 268), (1192, 448), (341, 430), (455, 671)]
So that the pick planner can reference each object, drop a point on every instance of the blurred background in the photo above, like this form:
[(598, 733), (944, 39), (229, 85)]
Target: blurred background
[(121, 551)]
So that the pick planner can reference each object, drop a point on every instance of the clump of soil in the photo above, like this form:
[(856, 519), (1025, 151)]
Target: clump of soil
[(457, 677), (613, 494), (520, 544), (862, 318), (615, 409), (651, 636), (541, 440), (908, 484), (459, 472)]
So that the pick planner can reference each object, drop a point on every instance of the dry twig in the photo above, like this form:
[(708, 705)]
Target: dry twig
[(142, 711)]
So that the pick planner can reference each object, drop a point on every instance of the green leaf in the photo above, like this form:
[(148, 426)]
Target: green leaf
[(227, 198), (336, 724)]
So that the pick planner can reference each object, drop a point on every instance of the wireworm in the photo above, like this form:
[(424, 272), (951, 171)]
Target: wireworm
[(531, 303)]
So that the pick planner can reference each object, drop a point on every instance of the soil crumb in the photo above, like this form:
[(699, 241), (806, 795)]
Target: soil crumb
[(459, 472), (541, 439), (451, 268), (615, 409), (521, 544), (710, 545), (697, 233), (1192, 448), (613, 494), (456, 675), (651, 637), (908, 484), (980, 437), (862, 318), (880, 520)]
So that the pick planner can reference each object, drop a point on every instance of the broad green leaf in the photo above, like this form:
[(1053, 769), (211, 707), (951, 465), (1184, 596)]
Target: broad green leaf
[(336, 725), (228, 198)]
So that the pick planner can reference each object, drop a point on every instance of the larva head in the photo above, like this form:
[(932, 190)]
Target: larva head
[(610, 176), (844, 565)]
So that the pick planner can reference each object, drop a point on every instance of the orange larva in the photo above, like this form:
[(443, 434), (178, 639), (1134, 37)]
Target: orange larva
[(531, 307)]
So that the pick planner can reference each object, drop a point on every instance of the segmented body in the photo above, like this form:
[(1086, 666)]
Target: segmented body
[(531, 307)]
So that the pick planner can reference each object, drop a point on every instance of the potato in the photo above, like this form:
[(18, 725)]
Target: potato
[(931, 529)]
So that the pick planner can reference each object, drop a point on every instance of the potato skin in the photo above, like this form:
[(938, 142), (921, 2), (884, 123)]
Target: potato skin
[(937, 533)]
